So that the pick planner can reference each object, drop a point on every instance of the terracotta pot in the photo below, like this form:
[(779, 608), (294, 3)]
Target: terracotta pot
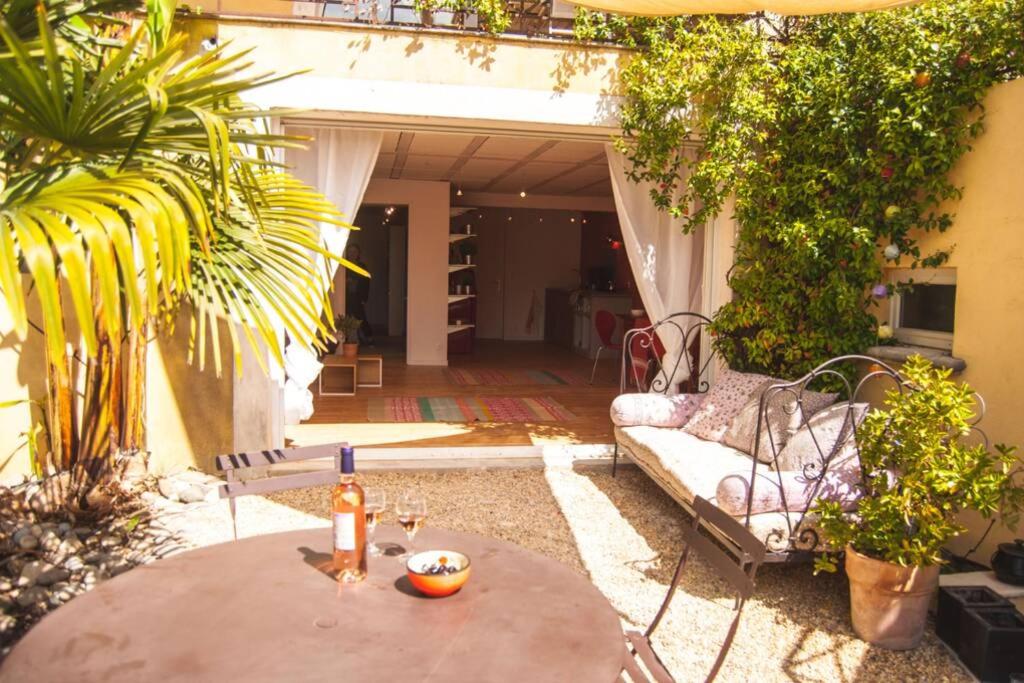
[(889, 603), (350, 350)]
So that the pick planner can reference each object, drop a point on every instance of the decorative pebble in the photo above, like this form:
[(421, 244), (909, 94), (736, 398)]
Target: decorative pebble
[(53, 575), (28, 542)]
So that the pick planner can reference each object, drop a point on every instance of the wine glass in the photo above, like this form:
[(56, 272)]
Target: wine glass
[(376, 502), (411, 508)]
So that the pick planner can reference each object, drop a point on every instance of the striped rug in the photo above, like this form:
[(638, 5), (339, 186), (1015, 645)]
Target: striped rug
[(465, 409), (484, 376)]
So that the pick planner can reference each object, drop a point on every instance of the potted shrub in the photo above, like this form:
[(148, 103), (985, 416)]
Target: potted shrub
[(921, 469), (468, 251), (348, 329)]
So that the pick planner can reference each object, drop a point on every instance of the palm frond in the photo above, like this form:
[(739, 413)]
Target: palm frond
[(108, 213)]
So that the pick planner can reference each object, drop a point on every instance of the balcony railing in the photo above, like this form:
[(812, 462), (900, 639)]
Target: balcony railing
[(551, 18)]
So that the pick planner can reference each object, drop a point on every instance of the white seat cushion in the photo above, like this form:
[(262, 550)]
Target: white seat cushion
[(694, 464)]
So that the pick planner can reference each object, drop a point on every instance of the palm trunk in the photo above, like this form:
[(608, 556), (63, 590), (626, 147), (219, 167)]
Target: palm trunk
[(133, 432), (60, 409), (102, 393)]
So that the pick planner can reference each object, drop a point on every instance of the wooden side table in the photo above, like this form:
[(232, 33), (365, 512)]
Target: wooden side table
[(340, 376), (370, 371)]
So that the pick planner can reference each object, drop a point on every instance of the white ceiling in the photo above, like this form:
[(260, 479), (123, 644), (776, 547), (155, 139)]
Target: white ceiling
[(480, 163)]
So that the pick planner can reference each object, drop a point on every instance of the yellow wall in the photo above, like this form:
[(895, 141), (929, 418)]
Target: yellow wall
[(987, 238), (419, 56)]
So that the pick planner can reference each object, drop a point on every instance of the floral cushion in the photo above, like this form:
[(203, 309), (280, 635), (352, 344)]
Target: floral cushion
[(840, 483), (722, 403), (654, 410), (829, 433), (784, 413)]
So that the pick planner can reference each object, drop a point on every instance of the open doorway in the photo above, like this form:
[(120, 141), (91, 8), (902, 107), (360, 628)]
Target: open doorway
[(381, 246)]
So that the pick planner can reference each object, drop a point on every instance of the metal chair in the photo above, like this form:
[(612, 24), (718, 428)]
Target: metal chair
[(735, 558), (605, 323), (232, 463)]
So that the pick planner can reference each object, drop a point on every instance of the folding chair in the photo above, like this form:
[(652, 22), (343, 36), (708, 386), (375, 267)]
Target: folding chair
[(736, 564), (231, 464)]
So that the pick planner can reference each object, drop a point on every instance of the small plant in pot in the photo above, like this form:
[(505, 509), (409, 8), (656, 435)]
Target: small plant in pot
[(348, 329), (468, 251), (921, 468)]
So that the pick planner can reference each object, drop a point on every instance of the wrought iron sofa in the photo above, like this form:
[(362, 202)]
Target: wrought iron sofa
[(758, 486)]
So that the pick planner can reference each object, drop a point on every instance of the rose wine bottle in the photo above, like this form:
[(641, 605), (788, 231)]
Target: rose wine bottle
[(348, 511)]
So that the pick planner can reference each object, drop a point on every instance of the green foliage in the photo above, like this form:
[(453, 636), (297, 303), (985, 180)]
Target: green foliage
[(835, 134), (133, 179), (920, 470), (493, 15), (348, 326)]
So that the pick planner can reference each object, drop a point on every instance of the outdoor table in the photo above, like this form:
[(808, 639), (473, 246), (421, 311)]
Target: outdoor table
[(264, 609)]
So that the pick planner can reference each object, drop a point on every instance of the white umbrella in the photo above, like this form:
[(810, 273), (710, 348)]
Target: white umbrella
[(675, 7)]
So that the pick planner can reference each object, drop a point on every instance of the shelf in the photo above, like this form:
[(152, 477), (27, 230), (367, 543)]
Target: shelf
[(452, 329), (456, 267), (454, 237), (453, 298)]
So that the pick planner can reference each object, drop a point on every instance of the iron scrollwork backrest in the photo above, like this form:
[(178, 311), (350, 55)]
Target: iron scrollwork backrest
[(831, 449), (645, 366)]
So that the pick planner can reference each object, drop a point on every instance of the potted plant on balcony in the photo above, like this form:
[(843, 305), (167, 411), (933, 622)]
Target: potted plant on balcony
[(348, 329), (922, 467), (468, 251)]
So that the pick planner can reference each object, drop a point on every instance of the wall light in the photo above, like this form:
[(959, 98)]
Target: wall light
[(522, 193), (458, 192)]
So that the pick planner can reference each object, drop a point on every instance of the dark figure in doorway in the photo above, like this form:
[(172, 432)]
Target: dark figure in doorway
[(357, 293)]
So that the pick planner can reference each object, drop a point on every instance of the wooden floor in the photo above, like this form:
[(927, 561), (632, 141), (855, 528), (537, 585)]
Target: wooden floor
[(345, 418)]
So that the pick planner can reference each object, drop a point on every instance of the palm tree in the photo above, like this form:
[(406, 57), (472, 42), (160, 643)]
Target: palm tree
[(134, 184)]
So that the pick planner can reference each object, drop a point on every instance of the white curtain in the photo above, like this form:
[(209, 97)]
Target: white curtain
[(667, 264), (340, 166), (793, 7)]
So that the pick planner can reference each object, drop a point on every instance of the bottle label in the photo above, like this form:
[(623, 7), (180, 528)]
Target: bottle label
[(344, 531)]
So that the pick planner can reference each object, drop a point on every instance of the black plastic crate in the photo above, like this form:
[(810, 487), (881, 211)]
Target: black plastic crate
[(954, 601), (992, 642)]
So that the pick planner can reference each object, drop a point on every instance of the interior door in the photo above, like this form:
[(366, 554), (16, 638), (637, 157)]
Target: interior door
[(538, 254), (490, 277)]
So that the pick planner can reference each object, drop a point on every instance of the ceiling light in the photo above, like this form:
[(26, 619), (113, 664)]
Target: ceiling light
[(584, 221), (510, 217), (542, 219), (572, 220), (522, 193)]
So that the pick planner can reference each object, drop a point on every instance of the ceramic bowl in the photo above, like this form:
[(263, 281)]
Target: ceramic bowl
[(437, 585)]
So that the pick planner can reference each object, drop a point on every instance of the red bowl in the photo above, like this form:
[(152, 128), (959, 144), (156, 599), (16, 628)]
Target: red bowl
[(437, 585)]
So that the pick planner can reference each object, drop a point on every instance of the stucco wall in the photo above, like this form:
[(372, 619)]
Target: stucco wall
[(427, 313), (987, 238)]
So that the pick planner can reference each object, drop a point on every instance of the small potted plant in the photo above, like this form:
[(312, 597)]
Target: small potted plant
[(921, 469), (468, 251), (348, 329)]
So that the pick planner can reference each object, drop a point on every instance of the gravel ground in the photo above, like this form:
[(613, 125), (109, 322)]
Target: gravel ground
[(623, 534)]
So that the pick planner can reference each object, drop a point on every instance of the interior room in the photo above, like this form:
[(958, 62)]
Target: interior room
[(532, 255)]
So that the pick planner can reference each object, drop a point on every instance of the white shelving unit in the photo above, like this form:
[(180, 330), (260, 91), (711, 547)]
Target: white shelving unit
[(456, 267), (452, 329), (452, 298)]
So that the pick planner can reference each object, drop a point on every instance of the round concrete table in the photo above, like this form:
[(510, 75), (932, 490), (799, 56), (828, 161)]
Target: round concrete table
[(263, 609)]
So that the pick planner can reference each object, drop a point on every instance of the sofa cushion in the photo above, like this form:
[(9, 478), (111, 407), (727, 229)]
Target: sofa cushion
[(654, 410), (690, 466), (840, 483), (686, 466), (785, 412), (829, 433), (723, 402)]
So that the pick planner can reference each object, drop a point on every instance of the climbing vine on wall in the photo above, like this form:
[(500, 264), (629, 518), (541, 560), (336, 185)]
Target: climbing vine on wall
[(835, 135)]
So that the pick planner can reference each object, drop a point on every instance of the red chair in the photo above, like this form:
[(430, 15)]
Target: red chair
[(605, 323)]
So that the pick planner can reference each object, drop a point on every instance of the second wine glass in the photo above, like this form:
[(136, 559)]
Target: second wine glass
[(376, 503), (411, 508)]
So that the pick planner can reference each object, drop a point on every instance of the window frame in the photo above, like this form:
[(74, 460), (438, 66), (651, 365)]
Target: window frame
[(912, 335)]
